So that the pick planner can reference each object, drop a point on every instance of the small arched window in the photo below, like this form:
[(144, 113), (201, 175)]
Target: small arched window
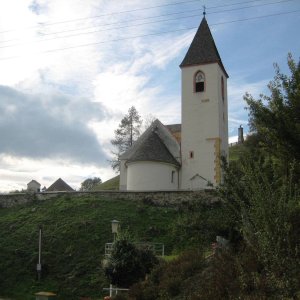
[(222, 88), (199, 82)]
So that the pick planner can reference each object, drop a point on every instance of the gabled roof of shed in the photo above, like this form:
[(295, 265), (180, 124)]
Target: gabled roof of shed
[(35, 182)]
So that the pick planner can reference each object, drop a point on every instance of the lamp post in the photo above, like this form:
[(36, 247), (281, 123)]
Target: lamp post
[(114, 228), (39, 265)]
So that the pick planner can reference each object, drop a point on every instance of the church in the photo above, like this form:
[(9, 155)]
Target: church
[(185, 156)]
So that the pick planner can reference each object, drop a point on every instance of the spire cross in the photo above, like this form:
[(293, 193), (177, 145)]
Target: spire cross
[(204, 10)]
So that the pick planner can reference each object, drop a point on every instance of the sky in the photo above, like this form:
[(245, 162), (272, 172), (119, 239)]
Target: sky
[(71, 69)]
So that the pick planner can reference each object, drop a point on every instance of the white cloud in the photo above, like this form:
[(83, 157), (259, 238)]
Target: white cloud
[(233, 139), (52, 125)]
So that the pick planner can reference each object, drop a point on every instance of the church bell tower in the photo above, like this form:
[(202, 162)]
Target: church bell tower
[(204, 135)]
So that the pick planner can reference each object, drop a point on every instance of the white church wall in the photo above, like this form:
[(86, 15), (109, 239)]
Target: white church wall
[(223, 113), (151, 176), (198, 183), (200, 124), (123, 176)]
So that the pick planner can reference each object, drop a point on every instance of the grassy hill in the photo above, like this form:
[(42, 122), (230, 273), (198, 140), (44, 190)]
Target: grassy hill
[(74, 234), (235, 152), (111, 184)]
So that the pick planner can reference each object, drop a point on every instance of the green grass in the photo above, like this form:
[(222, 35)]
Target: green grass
[(170, 257), (235, 152), (74, 234), (111, 184)]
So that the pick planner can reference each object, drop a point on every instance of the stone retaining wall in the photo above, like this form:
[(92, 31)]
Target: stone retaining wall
[(161, 198)]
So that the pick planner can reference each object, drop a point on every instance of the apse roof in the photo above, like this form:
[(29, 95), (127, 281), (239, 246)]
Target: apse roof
[(155, 144)]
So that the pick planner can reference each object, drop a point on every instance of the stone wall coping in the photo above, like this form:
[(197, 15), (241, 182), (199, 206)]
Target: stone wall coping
[(111, 191), (161, 198)]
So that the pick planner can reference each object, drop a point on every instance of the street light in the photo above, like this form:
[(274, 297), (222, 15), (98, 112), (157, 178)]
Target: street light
[(115, 228), (39, 264)]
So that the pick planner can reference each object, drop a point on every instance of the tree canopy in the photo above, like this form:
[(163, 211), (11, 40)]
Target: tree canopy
[(89, 183), (125, 135), (276, 118)]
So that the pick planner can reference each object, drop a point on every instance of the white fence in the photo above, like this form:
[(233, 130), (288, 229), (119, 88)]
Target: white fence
[(157, 248)]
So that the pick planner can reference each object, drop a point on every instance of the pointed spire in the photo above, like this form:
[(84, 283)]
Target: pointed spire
[(203, 49)]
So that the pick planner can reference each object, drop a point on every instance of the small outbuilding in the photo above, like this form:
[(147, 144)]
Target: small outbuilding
[(33, 186)]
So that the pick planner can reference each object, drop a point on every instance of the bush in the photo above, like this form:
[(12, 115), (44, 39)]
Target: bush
[(128, 264), (167, 280)]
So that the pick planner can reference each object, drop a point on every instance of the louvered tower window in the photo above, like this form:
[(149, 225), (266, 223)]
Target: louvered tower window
[(199, 82)]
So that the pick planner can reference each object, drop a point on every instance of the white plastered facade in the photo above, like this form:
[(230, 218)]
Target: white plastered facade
[(151, 176), (204, 134)]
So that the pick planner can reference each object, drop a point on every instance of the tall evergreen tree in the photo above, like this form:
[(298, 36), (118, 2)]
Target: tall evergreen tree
[(127, 133)]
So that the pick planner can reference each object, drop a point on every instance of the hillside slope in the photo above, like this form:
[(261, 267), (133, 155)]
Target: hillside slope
[(74, 234), (111, 184)]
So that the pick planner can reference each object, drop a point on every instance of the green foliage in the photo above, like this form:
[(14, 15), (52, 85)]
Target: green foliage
[(128, 264), (235, 152), (90, 183), (262, 261), (276, 118), (126, 134), (74, 233), (168, 280), (266, 208)]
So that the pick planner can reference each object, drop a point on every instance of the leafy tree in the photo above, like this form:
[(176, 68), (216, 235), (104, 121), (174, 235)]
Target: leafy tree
[(128, 264), (276, 118), (261, 191), (89, 183), (149, 119), (265, 208), (126, 134)]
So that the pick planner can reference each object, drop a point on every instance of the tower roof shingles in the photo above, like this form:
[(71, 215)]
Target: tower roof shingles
[(203, 49)]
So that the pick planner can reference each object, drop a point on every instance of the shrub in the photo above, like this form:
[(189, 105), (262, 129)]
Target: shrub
[(128, 264)]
